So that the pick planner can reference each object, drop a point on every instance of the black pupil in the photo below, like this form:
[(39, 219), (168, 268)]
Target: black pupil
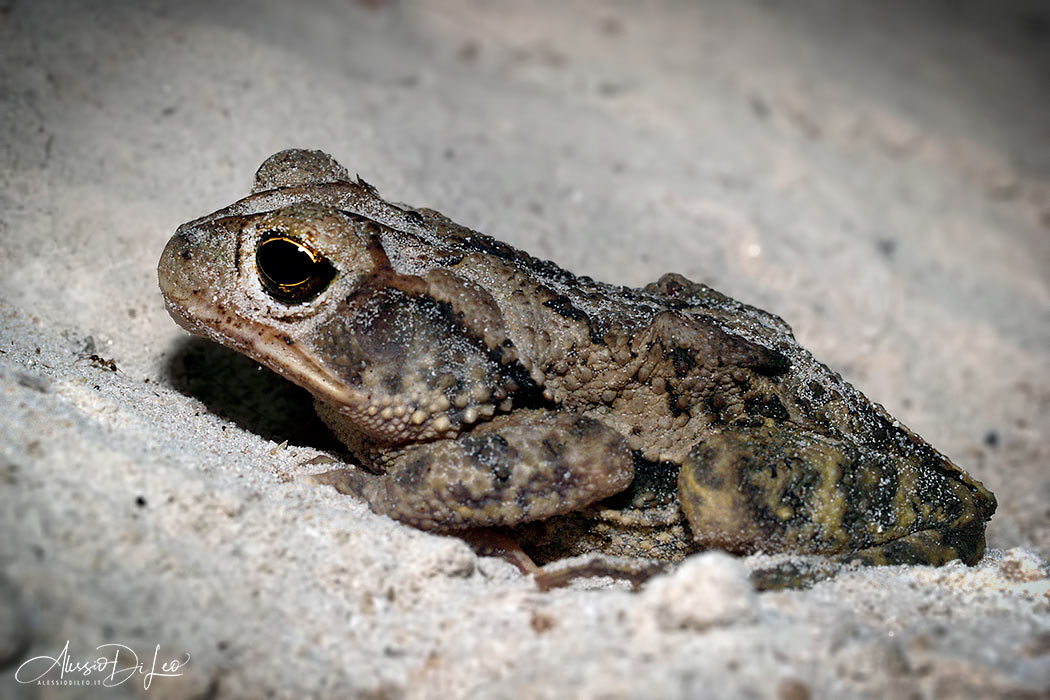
[(285, 262), (290, 271)]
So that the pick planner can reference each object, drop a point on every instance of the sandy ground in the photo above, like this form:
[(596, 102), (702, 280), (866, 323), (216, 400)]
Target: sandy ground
[(877, 173)]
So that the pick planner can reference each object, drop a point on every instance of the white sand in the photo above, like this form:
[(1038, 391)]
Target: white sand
[(876, 173)]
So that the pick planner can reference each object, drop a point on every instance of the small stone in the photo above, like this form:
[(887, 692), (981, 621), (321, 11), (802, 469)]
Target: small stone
[(793, 689), (707, 590)]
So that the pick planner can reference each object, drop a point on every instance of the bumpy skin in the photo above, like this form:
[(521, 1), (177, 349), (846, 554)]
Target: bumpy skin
[(479, 386)]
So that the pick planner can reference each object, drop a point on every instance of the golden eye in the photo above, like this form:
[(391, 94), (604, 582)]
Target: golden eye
[(290, 271)]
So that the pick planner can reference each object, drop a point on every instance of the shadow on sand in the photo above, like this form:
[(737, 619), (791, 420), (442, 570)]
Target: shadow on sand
[(255, 398)]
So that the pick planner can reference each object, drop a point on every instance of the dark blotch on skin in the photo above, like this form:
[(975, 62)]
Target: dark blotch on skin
[(768, 406), (563, 306), (683, 361)]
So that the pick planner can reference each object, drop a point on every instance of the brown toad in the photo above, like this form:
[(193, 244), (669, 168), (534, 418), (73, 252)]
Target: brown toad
[(479, 386)]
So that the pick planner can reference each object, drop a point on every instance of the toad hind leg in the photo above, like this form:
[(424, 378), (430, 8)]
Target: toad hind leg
[(513, 469), (777, 488), (932, 547)]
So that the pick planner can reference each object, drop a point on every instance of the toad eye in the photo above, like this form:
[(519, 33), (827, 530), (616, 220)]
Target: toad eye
[(290, 271)]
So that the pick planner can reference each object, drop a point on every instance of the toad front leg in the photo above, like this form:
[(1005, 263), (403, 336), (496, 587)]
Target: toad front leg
[(516, 468), (778, 488)]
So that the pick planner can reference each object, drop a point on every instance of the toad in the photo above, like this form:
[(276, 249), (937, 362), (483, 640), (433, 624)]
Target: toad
[(477, 387)]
